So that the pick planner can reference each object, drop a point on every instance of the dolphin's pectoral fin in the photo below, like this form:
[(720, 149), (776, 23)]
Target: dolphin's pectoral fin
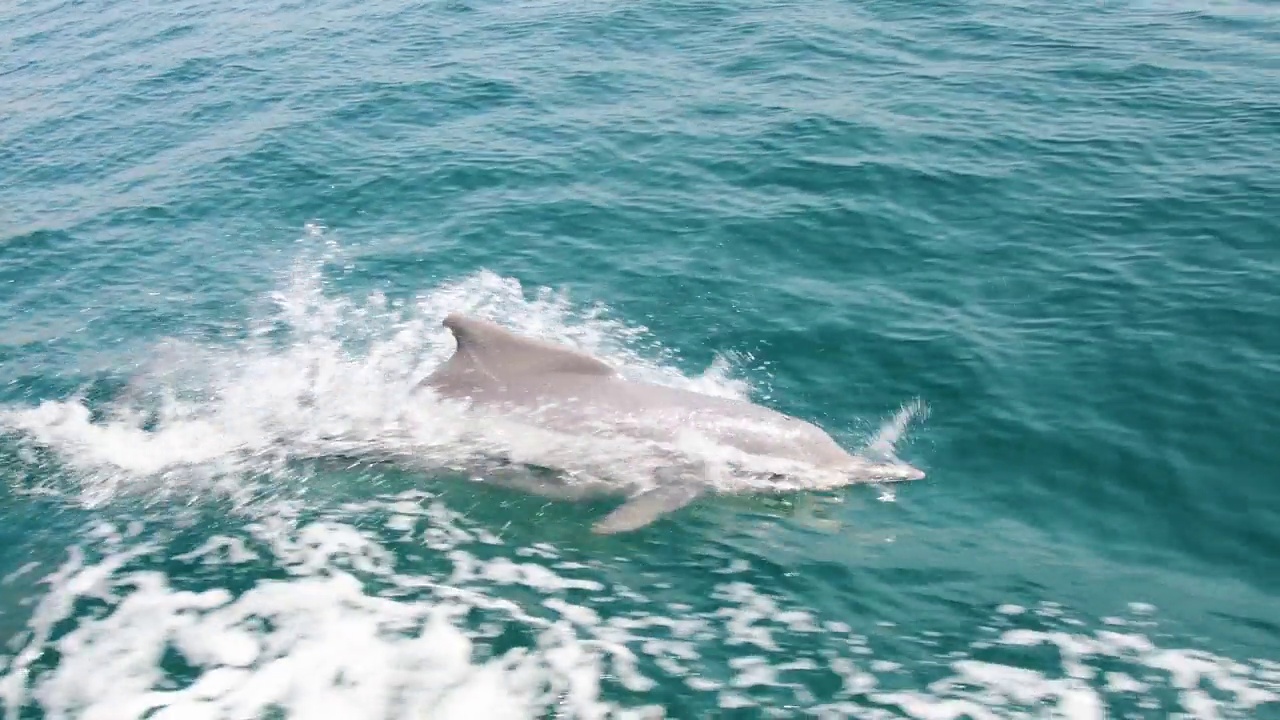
[(646, 507)]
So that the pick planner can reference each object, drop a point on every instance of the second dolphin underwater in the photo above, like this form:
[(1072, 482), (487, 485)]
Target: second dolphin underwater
[(555, 388)]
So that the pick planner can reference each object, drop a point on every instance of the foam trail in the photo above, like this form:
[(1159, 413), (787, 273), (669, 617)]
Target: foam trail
[(343, 622)]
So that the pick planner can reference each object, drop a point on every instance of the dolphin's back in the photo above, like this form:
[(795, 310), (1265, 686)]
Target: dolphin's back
[(570, 391)]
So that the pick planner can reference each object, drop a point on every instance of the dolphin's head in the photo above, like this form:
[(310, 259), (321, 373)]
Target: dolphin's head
[(884, 471), (901, 471)]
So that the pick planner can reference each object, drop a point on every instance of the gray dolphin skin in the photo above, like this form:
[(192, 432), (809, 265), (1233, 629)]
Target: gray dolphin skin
[(560, 389)]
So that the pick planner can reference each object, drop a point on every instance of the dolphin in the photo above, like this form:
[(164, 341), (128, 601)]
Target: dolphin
[(552, 387)]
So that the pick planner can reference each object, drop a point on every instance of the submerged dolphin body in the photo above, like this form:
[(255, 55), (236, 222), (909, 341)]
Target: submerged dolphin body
[(555, 388)]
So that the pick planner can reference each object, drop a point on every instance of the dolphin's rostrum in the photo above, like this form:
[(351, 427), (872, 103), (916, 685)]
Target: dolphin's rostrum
[(559, 389)]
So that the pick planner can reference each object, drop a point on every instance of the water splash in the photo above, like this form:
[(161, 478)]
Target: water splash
[(883, 444), (322, 374)]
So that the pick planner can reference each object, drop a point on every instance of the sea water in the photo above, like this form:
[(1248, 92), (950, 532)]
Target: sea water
[(1033, 248)]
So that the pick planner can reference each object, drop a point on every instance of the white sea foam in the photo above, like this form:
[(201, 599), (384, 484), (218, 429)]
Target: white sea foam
[(345, 631)]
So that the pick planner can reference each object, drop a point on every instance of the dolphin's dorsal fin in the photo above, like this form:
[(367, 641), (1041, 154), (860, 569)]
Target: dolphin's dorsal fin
[(493, 349)]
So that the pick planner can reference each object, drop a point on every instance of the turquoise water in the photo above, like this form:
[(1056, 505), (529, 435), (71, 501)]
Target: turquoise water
[(1034, 245)]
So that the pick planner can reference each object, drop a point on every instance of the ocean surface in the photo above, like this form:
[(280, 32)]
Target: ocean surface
[(1032, 247)]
